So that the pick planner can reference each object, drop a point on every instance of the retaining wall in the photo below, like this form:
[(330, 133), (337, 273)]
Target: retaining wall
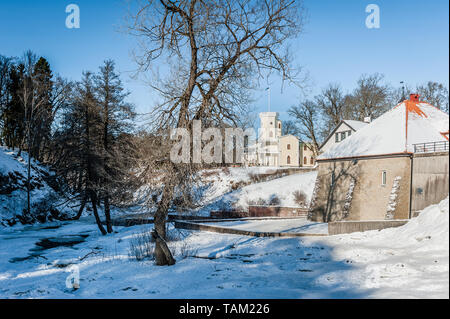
[(346, 227)]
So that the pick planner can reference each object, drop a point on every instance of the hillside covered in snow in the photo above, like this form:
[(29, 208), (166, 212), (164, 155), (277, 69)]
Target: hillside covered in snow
[(13, 189)]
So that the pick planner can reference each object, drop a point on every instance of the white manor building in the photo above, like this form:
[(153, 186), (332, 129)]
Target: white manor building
[(273, 148)]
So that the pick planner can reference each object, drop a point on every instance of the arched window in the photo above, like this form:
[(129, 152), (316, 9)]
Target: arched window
[(305, 161), (289, 146), (304, 147), (288, 160), (312, 161), (279, 125)]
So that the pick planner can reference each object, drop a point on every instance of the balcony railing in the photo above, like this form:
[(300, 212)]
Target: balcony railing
[(432, 147)]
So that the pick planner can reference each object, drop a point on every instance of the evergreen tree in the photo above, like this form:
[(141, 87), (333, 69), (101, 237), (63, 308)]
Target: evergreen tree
[(12, 115), (43, 76), (116, 116)]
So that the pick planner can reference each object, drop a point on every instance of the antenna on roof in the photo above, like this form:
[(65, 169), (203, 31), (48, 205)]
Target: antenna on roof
[(403, 91), (268, 97)]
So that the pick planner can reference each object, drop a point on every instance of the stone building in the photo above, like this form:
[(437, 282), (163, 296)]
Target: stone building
[(307, 155), (389, 169), (273, 148)]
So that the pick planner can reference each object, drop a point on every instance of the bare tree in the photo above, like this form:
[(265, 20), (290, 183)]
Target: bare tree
[(33, 99), (216, 50), (332, 102), (307, 116), (434, 93), (289, 127), (371, 97)]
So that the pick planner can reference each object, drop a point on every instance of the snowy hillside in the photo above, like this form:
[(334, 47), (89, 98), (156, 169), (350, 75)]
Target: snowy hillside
[(13, 185), (221, 196)]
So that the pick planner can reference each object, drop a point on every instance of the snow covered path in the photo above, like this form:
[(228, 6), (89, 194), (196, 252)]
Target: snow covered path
[(411, 261), (292, 225)]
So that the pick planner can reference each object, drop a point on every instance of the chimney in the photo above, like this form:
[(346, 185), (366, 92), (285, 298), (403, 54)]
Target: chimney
[(414, 97), (367, 119)]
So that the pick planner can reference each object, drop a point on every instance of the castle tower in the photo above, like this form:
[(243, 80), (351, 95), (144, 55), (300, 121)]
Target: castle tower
[(269, 134)]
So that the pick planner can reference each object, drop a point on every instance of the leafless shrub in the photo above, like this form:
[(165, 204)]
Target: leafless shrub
[(226, 170), (238, 185), (184, 250), (300, 198), (255, 178), (142, 246), (257, 202), (209, 173), (274, 200)]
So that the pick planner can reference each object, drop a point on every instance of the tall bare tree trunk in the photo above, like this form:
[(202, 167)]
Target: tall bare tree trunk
[(80, 211), (107, 214), (94, 207)]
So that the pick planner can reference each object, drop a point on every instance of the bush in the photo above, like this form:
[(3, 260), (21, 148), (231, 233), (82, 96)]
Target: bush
[(300, 198), (209, 173), (226, 170), (274, 200), (258, 202), (142, 246)]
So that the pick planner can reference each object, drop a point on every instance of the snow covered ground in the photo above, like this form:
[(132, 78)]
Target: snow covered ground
[(292, 225), (411, 261), (219, 197)]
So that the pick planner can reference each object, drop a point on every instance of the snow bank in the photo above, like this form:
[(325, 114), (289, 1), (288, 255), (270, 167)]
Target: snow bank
[(430, 227), (13, 185)]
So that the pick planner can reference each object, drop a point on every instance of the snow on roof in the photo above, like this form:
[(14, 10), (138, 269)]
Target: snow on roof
[(396, 131), (356, 125)]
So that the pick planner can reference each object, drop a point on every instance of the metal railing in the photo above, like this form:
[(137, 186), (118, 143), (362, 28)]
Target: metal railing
[(432, 147)]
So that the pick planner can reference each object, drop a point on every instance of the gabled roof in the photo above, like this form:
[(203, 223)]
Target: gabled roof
[(354, 125), (396, 131)]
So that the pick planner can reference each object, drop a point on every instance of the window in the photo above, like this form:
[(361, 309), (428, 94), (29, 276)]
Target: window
[(305, 161), (349, 133), (342, 136), (288, 160), (289, 146), (311, 161), (304, 147), (336, 137), (383, 178), (279, 125)]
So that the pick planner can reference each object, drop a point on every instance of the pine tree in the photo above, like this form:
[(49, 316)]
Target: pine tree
[(116, 117), (43, 77)]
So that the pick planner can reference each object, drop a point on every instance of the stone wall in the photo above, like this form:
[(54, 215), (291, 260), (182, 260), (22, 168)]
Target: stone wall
[(346, 227), (357, 192), (262, 211), (430, 180)]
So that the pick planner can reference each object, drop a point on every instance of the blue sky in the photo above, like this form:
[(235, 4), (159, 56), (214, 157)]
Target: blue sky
[(411, 45)]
